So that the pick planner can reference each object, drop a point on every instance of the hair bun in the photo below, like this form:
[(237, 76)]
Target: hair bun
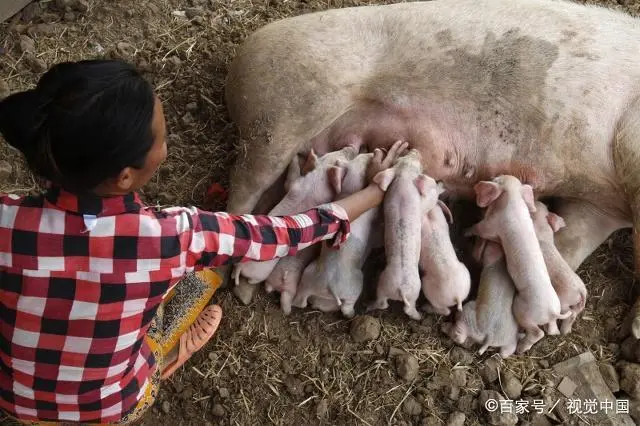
[(21, 120)]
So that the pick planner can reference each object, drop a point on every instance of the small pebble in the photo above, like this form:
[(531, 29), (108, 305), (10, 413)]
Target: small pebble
[(365, 328), (489, 371), (322, 409), (4, 89), (125, 49), (511, 385), (166, 407), (456, 419), (217, 410), (35, 63), (175, 60), (192, 12), (544, 363), (81, 6), (411, 406), (407, 367), (192, 106), (461, 356), (187, 119), (69, 16), (27, 45), (224, 393)]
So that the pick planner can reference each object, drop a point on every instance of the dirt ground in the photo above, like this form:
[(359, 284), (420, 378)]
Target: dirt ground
[(263, 367)]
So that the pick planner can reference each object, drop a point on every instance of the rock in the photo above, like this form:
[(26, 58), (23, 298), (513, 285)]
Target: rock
[(81, 6), (31, 12), (489, 401), (217, 410), (629, 350), (4, 89), (224, 393), (192, 12), (192, 106), (379, 349), (27, 45), (365, 328), (125, 49), (630, 378), (489, 371), (572, 363), (610, 376), (634, 410), (454, 393), (544, 363), (411, 406), (166, 407), (467, 403), (175, 60), (511, 385), (69, 16), (461, 356), (187, 119), (322, 409), (35, 63), (459, 377), (407, 367), (567, 387), (456, 419), (294, 385)]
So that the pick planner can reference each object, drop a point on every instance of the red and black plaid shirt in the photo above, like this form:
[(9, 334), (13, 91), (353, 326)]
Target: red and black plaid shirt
[(81, 279)]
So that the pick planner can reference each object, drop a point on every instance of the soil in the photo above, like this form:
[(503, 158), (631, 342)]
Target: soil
[(264, 367)]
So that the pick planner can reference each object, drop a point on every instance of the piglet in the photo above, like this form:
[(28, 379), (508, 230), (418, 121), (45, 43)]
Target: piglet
[(318, 183), (507, 221), (489, 319), (335, 280), (410, 195), (568, 285), (286, 275), (446, 281)]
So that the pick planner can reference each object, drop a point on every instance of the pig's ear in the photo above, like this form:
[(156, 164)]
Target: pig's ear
[(310, 163), (336, 175), (556, 222), (527, 193), (486, 192), (421, 184), (384, 178)]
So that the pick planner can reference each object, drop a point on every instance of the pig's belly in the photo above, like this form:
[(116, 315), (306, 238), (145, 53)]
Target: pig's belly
[(463, 144)]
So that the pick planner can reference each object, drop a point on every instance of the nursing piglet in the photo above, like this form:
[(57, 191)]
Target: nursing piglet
[(335, 280), (489, 319), (568, 285), (507, 220), (318, 183), (410, 195), (446, 281)]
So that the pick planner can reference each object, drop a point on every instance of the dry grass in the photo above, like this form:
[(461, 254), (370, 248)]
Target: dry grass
[(278, 369)]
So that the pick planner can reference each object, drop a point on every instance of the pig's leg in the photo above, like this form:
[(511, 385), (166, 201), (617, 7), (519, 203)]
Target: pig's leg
[(507, 351), (552, 328), (586, 228), (533, 335), (379, 303), (430, 309), (565, 325)]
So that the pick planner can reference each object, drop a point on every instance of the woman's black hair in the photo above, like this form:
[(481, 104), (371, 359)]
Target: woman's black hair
[(83, 123)]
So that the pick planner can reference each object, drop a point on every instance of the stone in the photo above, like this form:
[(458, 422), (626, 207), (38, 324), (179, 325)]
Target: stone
[(575, 362), (511, 385), (166, 407), (125, 49), (489, 371), (411, 406), (456, 419), (407, 367), (4, 89), (224, 393), (365, 328), (610, 377), (322, 409), (192, 106), (294, 385), (35, 63), (544, 363), (461, 356), (567, 387), (217, 410), (459, 377), (81, 6), (175, 60), (630, 378), (27, 45), (192, 12), (489, 402)]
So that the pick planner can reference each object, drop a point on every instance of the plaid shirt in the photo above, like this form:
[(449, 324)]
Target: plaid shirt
[(81, 279)]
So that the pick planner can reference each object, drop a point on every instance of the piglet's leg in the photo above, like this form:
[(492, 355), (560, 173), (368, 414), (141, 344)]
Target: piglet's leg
[(507, 351), (533, 335), (552, 328)]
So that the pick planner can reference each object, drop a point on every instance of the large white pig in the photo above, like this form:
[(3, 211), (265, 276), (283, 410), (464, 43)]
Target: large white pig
[(479, 87), (410, 194), (568, 285), (507, 221), (446, 281), (334, 280)]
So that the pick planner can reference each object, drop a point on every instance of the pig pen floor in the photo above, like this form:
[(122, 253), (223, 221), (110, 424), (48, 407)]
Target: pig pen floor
[(263, 367)]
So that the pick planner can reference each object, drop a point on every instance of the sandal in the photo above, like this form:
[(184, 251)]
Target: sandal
[(196, 336)]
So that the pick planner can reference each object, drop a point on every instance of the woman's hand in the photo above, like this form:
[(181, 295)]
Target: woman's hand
[(379, 162)]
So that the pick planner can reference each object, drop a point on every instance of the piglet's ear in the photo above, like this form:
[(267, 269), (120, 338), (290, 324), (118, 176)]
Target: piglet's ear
[(336, 175), (310, 163), (421, 184), (384, 178), (527, 195), (486, 192), (556, 222)]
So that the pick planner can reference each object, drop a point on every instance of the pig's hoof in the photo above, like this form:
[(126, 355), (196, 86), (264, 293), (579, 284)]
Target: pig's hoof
[(245, 292)]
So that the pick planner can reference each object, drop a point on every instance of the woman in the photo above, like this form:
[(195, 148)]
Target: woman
[(84, 268)]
